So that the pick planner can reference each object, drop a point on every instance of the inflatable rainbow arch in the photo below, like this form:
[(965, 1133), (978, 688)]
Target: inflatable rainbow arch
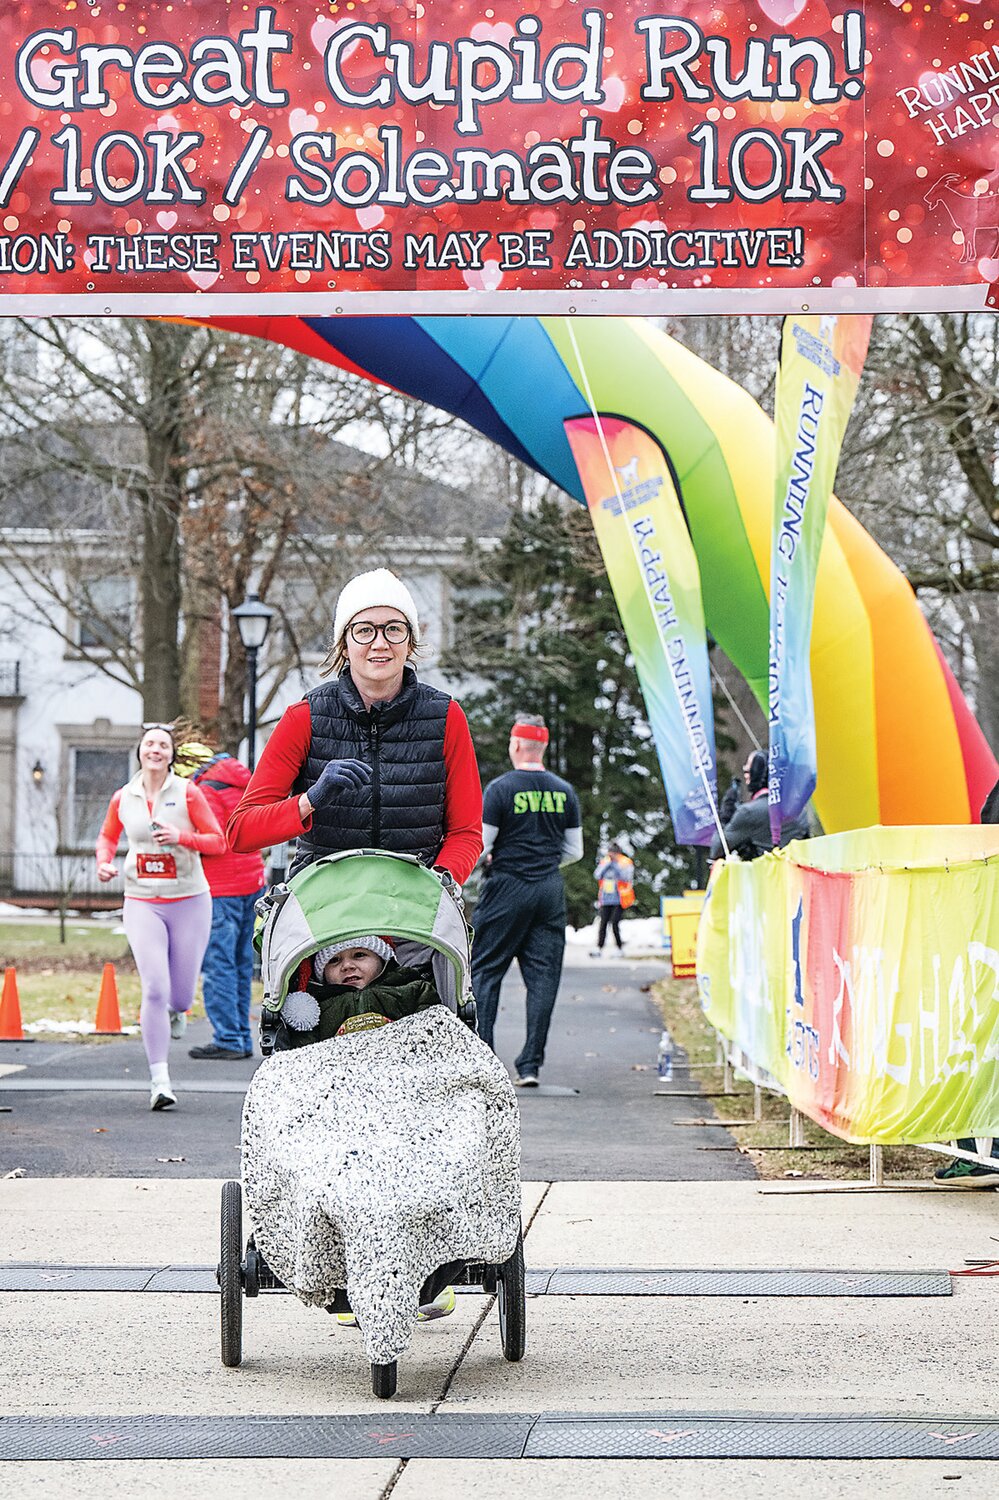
[(897, 743)]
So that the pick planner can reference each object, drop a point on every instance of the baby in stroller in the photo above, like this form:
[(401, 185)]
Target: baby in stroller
[(351, 986)]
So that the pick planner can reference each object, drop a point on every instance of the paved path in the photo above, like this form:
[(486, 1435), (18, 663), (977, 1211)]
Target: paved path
[(605, 1027), (679, 1366)]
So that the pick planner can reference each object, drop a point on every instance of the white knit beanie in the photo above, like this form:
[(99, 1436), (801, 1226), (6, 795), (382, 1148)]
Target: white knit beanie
[(379, 588), (376, 945)]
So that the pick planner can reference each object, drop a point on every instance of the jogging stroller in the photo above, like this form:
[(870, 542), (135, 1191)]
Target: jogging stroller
[(338, 898)]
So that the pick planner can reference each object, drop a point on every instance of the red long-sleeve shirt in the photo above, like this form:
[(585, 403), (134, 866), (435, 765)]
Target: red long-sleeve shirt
[(268, 813)]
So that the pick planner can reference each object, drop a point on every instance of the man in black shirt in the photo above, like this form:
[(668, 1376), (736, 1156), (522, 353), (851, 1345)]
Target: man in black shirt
[(530, 828)]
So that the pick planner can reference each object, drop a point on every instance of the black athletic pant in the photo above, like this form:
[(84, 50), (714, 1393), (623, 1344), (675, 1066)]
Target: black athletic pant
[(610, 916), (523, 920)]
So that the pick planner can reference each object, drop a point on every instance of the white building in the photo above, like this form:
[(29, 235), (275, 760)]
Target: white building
[(69, 730)]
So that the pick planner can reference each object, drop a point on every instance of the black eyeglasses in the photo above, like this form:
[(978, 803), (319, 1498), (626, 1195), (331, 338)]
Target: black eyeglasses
[(363, 632)]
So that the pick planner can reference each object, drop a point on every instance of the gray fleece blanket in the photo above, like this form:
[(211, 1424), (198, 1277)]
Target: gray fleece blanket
[(371, 1160)]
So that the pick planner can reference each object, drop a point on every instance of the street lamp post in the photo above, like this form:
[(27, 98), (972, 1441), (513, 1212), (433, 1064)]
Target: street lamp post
[(253, 621)]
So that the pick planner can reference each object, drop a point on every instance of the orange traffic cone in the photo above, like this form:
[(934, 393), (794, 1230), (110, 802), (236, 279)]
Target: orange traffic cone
[(11, 1029), (107, 1022)]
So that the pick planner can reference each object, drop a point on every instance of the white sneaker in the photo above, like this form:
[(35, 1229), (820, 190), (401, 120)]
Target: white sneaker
[(178, 1024), (162, 1096)]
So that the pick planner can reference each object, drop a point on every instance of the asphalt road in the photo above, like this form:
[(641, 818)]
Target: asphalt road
[(602, 1044)]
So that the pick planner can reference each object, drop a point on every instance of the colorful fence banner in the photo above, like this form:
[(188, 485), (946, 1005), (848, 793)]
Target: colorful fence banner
[(652, 568), (308, 157), (820, 365), (861, 971)]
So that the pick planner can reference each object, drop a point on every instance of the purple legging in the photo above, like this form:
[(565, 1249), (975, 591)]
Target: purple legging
[(168, 941)]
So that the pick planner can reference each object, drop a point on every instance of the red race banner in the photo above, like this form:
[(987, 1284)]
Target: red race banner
[(561, 157)]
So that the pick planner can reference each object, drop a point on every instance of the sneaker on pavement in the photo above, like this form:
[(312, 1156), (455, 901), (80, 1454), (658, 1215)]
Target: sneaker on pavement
[(212, 1049), (178, 1024), (441, 1307), (162, 1096), (526, 1081), (595, 952), (966, 1174), (346, 1320)]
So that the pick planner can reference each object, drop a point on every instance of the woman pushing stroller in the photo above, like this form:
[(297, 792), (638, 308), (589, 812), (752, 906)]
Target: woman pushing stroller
[(372, 759)]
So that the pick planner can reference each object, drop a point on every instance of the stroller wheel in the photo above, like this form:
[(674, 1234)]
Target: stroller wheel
[(490, 1278), (383, 1379), (512, 1303), (230, 1274)]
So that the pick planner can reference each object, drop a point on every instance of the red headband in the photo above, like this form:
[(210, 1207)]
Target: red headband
[(530, 732)]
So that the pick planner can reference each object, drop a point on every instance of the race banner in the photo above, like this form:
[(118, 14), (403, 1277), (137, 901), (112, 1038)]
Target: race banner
[(653, 572), (310, 156), (821, 361), (861, 972)]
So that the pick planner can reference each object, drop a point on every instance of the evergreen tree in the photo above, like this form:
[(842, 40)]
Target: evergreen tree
[(538, 632)]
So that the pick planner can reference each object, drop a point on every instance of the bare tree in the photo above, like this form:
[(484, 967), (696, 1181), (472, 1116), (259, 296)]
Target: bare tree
[(198, 465)]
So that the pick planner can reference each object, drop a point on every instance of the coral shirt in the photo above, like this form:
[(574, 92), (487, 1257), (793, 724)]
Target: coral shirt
[(268, 813)]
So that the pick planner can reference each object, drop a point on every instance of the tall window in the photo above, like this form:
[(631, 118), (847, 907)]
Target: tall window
[(104, 612), (95, 775)]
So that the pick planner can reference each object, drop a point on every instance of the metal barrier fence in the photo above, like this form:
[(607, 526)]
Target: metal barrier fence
[(735, 1063), (55, 881)]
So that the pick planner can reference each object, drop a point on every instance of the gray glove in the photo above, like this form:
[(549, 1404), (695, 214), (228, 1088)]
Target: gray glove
[(337, 777)]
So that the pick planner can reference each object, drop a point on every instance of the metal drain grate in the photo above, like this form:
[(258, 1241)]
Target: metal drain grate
[(560, 1282), (372, 1436), (776, 1283), (521, 1435), (695, 1435)]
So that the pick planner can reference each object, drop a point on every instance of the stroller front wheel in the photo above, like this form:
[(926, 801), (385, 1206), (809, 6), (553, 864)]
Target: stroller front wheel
[(230, 1277), (511, 1300), (383, 1379)]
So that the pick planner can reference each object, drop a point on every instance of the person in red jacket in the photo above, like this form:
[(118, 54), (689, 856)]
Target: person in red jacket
[(372, 759), (236, 881)]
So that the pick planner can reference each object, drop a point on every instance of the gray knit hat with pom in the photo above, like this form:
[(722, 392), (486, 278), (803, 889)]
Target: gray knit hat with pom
[(376, 945)]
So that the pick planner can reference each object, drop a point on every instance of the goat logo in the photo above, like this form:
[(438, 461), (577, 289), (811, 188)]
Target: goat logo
[(972, 215), (628, 473)]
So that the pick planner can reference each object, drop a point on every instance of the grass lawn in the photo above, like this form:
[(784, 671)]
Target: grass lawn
[(36, 945), (61, 982), (682, 1013)]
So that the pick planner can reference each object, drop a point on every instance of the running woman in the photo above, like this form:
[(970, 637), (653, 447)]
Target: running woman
[(168, 908)]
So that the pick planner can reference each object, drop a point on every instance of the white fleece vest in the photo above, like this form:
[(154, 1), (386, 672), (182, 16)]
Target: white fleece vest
[(169, 806)]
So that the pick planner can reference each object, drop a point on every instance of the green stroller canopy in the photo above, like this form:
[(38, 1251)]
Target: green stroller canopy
[(362, 892)]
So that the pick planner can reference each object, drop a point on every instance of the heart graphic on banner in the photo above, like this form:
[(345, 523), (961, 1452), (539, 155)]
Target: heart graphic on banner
[(989, 270), (300, 121), (781, 12), (166, 220), (321, 33), (370, 217), (486, 280), (613, 96), (501, 33), (203, 279)]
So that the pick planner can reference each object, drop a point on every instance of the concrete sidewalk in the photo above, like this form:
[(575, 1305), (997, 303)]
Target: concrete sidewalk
[(107, 1355)]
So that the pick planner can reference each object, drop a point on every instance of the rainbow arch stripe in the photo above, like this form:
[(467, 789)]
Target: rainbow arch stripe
[(897, 743)]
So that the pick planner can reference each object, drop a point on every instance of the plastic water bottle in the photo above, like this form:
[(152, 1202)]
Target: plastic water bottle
[(664, 1062)]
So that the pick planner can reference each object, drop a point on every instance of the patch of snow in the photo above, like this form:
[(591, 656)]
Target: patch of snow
[(72, 1028)]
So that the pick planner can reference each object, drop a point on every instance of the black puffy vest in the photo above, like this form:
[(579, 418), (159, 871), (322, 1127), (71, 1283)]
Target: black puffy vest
[(403, 743)]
